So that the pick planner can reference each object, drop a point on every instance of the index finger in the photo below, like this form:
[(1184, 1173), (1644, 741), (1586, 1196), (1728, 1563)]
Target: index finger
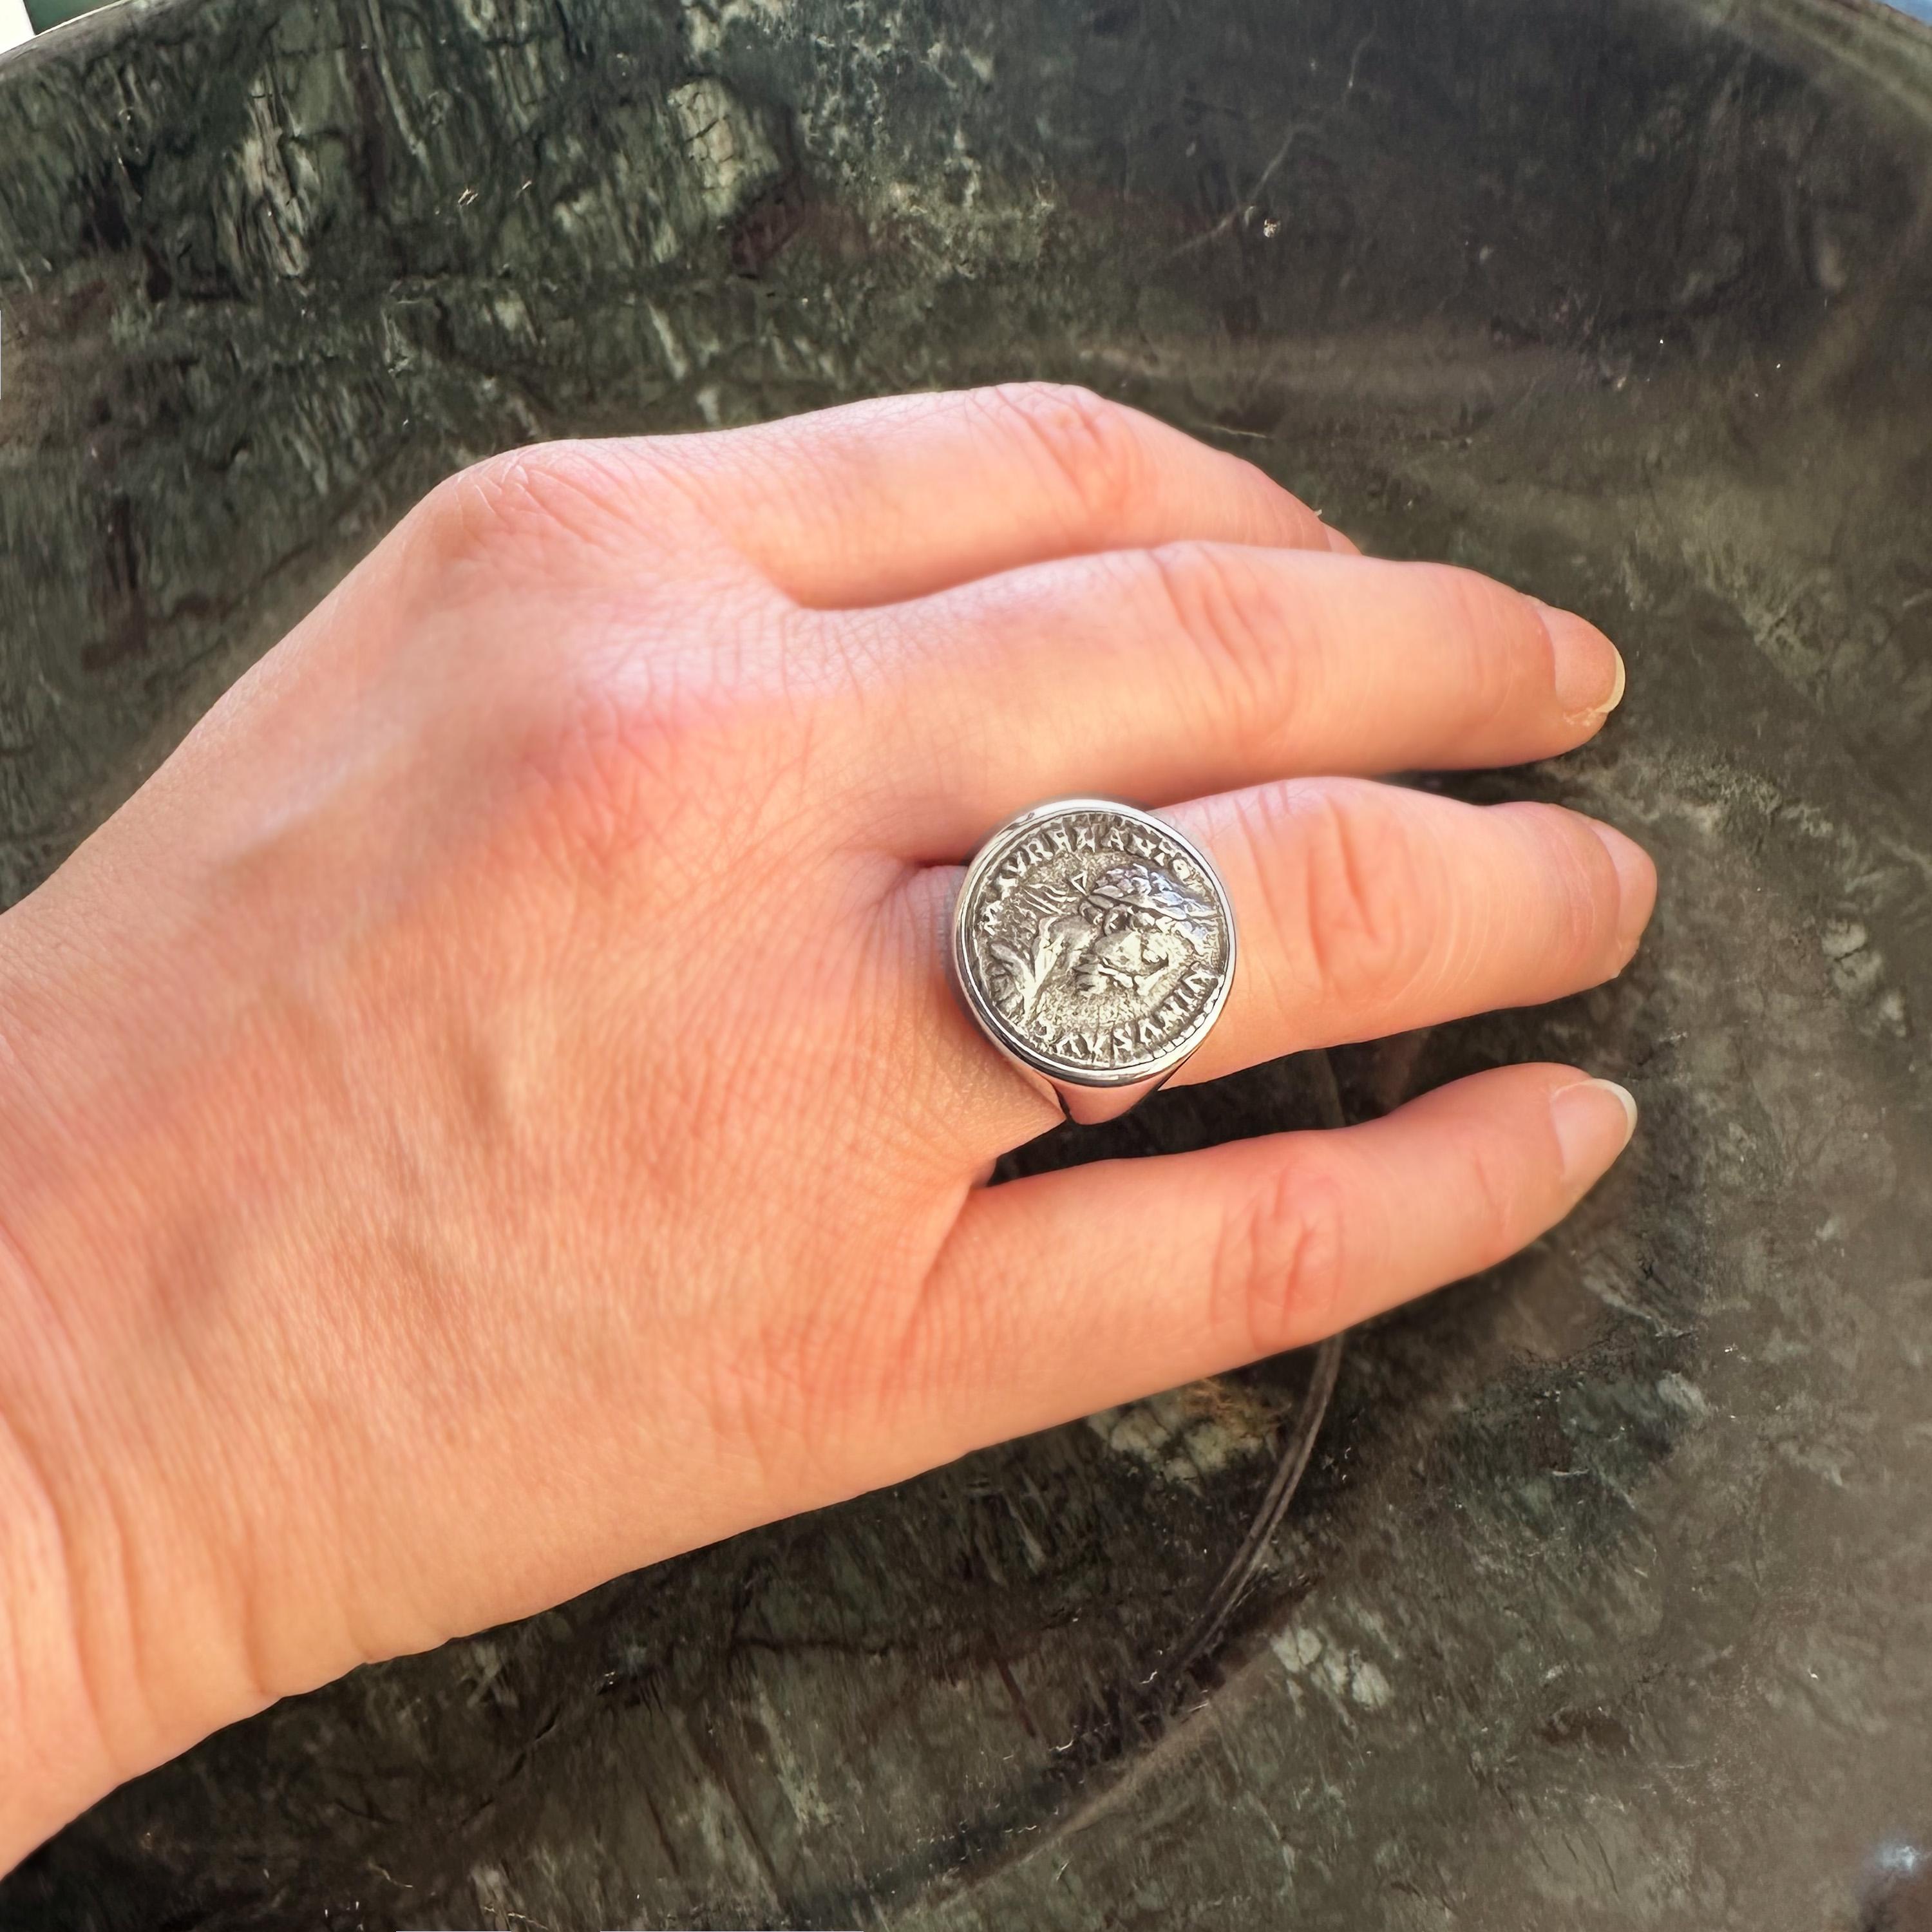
[(876, 502)]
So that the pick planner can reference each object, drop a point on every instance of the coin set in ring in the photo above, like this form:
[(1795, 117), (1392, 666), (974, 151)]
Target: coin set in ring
[(1094, 944)]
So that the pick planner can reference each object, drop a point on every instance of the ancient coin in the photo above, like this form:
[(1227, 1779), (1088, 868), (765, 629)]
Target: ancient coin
[(1093, 943)]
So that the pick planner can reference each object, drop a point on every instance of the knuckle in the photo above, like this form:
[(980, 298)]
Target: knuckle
[(1578, 893), (603, 764), (1481, 620), (1359, 901), (1246, 661), (1495, 1193), (1095, 448), (1281, 1264), (534, 510), (1587, 899), (650, 757)]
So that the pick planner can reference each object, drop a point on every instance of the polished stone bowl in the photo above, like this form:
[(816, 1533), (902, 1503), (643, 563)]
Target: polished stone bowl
[(1607, 1600)]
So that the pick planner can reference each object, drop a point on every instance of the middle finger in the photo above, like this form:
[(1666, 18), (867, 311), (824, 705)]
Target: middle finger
[(1168, 674)]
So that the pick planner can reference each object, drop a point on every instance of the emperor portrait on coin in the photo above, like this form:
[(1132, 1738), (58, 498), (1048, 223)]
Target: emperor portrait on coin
[(1095, 941)]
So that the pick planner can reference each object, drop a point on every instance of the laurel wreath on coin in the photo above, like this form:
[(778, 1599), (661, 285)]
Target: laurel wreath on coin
[(1068, 920)]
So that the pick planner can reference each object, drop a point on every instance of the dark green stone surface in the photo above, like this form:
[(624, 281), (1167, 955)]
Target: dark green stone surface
[(45, 13), (1608, 1601)]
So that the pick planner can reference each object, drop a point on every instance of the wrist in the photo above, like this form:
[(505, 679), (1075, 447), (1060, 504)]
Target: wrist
[(57, 1760), (119, 1647), (122, 1640)]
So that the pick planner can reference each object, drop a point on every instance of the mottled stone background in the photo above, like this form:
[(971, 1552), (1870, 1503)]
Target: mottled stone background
[(1607, 1601)]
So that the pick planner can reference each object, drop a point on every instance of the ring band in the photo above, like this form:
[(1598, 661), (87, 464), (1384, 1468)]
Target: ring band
[(1094, 944)]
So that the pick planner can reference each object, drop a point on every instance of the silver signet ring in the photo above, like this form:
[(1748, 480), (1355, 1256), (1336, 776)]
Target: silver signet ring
[(1095, 946)]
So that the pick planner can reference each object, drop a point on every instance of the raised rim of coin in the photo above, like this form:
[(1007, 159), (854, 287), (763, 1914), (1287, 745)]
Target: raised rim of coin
[(995, 1023)]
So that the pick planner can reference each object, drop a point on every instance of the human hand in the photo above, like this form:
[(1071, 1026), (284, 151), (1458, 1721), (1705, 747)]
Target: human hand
[(490, 1113)]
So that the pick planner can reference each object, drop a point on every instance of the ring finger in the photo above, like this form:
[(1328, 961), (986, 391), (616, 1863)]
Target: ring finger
[(1363, 910)]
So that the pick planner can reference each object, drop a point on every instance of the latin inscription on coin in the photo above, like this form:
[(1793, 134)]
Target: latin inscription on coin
[(1100, 940)]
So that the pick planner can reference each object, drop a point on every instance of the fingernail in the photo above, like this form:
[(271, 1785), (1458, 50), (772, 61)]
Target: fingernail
[(1637, 882), (1594, 1120), (1338, 543), (1588, 668)]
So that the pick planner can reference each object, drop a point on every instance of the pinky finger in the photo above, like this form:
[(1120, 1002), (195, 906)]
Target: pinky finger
[(1072, 1291)]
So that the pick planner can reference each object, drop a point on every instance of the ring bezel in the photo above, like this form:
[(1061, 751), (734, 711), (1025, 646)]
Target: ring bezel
[(1084, 1093)]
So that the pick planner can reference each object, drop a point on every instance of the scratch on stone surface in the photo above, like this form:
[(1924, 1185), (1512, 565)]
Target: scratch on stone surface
[(1245, 205), (1019, 1703)]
